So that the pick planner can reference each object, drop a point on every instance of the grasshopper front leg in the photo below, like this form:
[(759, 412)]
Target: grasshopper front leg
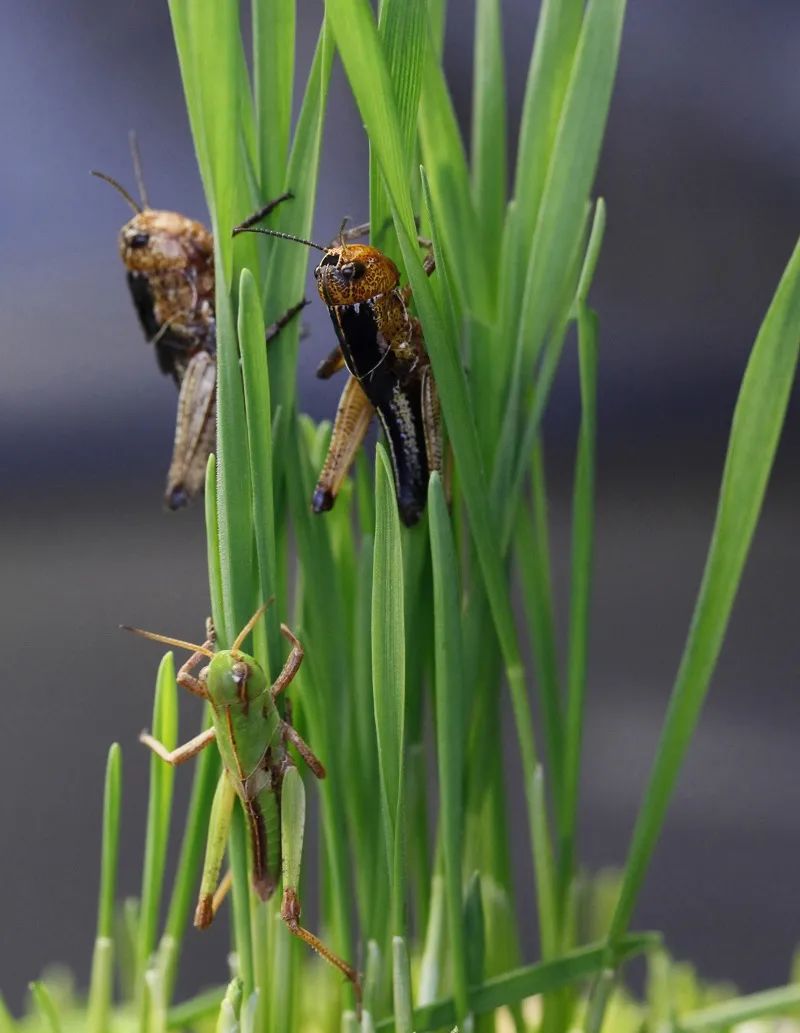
[(293, 818), (181, 753)]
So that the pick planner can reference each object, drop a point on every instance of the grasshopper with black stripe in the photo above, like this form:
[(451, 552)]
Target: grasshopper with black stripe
[(382, 345)]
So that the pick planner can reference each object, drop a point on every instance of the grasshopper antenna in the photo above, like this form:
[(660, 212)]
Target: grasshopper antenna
[(119, 188), (167, 641), (133, 143), (245, 228), (251, 624)]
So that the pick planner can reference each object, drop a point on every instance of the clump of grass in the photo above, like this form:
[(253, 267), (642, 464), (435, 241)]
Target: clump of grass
[(410, 629)]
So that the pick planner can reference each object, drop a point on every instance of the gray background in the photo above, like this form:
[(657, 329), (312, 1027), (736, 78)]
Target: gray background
[(700, 171)]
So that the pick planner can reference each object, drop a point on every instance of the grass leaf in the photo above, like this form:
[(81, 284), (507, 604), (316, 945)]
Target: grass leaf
[(450, 727), (388, 668), (101, 983), (159, 810), (757, 422)]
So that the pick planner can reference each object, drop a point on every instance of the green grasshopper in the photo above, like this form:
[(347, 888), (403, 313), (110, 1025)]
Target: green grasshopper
[(253, 741)]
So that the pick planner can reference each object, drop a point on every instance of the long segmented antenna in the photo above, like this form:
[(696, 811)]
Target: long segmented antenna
[(167, 641), (251, 624), (244, 228), (137, 167), (119, 188)]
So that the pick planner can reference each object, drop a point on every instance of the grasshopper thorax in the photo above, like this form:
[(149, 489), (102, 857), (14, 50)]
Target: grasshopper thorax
[(234, 677), (351, 274)]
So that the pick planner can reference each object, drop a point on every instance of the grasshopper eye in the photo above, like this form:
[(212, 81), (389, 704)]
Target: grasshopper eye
[(352, 270), (240, 672), (139, 240)]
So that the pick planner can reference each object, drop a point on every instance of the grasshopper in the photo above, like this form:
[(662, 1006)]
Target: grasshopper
[(253, 740), (169, 260), (383, 347)]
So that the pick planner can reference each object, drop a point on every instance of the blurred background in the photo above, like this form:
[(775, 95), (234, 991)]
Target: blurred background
[(701, 173)]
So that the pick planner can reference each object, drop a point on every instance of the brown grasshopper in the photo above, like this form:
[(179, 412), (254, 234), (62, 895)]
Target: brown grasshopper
[(383, 347), (169, 260)]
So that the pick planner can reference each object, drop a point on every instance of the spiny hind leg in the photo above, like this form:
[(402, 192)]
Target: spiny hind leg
[(432, 421), (290, 913), (292, 829), (353, 417)]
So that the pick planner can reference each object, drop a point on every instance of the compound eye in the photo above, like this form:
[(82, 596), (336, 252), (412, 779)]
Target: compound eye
[(352, 270), (139, 240), (240, 672)]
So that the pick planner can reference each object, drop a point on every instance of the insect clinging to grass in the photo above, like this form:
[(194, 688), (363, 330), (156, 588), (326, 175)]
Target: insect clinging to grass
[(253, 740), (383, 347), (169, 262)]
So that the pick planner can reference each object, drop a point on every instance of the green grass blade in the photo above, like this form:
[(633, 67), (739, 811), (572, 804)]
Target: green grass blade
[(188, 1014), (402, 26), (532, 552), (234, 487), (46, 1007), (224, 633), (102, 979), (546, 891), (525, 982), (401, 984), (361, 50), (548, 77), (273, 77), (388, 671), (159, 809), (259, 441), (581, 583), (323, 679), (230, 1007), (489, 167), (783, 1000), (576, 150), (7, 1023), (453, 392), (450, 727), (286, 272), (757, 421), (206, 773), (240, 904), (446, 167)]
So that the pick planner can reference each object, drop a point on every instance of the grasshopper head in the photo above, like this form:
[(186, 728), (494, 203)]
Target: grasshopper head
[(354, 273), (155, 241), (234, 677)]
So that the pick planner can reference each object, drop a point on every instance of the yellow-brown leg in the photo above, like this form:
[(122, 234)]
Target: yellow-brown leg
[(349, 430), (331, 364), (292, 665), (181, 753), (290, 913), (305, 751)]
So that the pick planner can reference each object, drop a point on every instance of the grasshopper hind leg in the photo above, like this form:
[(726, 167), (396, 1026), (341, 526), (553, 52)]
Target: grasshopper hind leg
[(290, 913)]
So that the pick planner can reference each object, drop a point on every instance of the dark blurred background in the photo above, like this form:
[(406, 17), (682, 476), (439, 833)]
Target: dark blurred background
[(701, 173)]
